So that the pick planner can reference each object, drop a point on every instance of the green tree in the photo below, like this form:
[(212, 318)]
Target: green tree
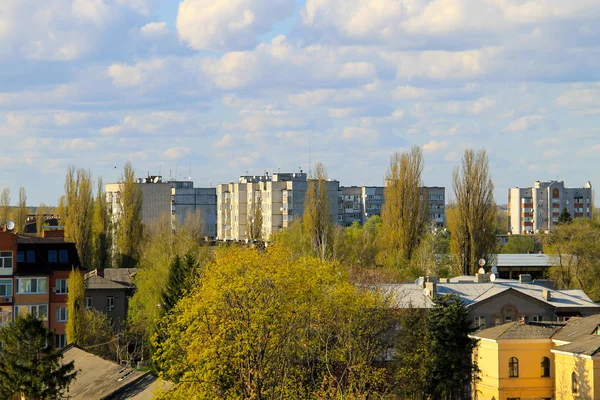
[(22, 211), (472, 221), (356, 245), (129, 226), (255, 219), (77, 208), (39, 217), (101, 230), (317, 222), (5, 205), (75, 308), (433, 257), (97, 335), (404, 211), (181, 277), (565, 216), (29, 367), (452, 365), (518, 244)]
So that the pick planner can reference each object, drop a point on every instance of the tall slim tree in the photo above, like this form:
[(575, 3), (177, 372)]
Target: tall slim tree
[(181, 274), (404, 211), (39, 217), (77, 211), (101, 230), (472, 226), (317, 221), (255, 220), (75, 308), (5, 205), (30, 367), (129, 226), (22, 212)]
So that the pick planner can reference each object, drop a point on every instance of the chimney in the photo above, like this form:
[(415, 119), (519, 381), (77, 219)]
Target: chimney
[(53, 232), (430, 289), (547, 294)]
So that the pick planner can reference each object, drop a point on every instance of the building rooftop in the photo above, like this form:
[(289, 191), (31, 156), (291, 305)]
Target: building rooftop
[(588, 346), (518, 330), (578, 328), (524, 260), (111, 278)]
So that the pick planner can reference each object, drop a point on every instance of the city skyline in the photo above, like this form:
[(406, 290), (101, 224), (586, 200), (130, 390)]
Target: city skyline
[(213, 90)]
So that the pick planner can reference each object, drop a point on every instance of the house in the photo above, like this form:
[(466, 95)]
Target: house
[(539, 360), (101, 379), (109, 290), (491, 303)]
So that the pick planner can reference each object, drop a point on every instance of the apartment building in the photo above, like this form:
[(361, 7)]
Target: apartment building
[(280, 198), (178, 198), (537, 209), (34, 278), (359, 203)]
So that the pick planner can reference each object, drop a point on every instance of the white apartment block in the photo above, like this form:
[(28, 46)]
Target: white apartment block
[(536, 209), (359, 203), (178, 198), (280, 197)]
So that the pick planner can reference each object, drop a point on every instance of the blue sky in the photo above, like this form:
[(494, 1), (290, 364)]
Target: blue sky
[(215, 89)]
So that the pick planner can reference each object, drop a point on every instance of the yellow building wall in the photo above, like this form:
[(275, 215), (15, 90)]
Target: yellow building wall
[(493, 360), (588, 377)]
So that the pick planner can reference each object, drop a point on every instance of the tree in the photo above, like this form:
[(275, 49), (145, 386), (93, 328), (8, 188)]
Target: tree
[(432, 257), (129, 226), (317, 223), (97, 335), (472, 222), (101, 230), (181, 277), (22, 212), (29, 367), (452, 365), (75, 308), (40, 212), (356, 245), (5, 205), (255, 220), (77, 210), (519, 244), (404, 211), (565, 216)]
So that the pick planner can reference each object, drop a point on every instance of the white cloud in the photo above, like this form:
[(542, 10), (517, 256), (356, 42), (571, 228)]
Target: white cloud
[(176, 153), (340, 112), (408, 92), (525, 123), (77, 144), (357, 70), (435, 145), (64, 118), (143, 72), (226, 141), (153, 123), (228, 24), (154, 29), (363, 134), (580, 97)]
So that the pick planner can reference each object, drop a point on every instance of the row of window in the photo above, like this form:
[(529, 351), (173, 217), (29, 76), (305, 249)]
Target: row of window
[(54, 256), (32, 286), (513, 367), (62, 315)]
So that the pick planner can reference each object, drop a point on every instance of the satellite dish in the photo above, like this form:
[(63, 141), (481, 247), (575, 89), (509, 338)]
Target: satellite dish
[(10, 225), (492, 277), (481, 262), (494, 270)]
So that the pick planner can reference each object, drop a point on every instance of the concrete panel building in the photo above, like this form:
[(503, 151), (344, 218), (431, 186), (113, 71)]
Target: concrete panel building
[(178, 198), (536, 209), (280, 198)]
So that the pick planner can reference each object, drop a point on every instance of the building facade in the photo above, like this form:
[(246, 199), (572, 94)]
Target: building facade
[(280, 198), (537, 209), (178, 198)]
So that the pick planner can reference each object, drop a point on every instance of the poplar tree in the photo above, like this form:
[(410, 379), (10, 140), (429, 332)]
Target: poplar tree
[(30, 367), (255, 221), (21, 215), (39, 218), (5, 205), (403, 213), (101, 230), (472, 223), (317, 222), (75, 308), (77, 206), (129, 226)]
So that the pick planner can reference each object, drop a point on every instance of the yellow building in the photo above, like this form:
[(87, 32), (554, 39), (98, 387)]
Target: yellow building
[(539, 360)]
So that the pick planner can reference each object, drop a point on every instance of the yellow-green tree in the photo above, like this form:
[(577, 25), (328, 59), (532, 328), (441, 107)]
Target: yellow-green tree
[(129, 226), (101, 230), (75, 308), (473, 218), (22, 211), (5, 205), (317, 221), (261, 325), (404, 213)]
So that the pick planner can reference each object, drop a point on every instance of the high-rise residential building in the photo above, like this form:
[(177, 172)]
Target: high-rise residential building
[(537, 209), (178, 198), (359, 203), (280, 198)]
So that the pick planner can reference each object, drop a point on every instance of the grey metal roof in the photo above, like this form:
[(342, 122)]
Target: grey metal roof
[(586, 346), (578, 328), (473, 292), (114, 278), (524, 260), (518, 330)]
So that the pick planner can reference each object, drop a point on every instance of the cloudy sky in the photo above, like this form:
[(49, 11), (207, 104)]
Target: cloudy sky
[(217, 88)]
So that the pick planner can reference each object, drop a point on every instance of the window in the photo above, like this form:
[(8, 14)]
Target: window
[(31, 285), (61, 314), (6, 287), (545, 367), (60, 340), (62, 286), (52, 256), (497, 320), (479, 322), (88, 303), (6, 259), (110, 303), (63, 256), (513, 367), (535, 318), (20, 256), (574, 383), (40, 311), (508, 318), (30, 256)]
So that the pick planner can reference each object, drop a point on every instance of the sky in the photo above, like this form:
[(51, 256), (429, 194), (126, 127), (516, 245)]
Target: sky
[(217, 89)]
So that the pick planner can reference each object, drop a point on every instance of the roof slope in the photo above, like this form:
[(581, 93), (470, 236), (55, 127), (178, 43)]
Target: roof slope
[(578, 328), (589, 346), (518, 330), (114, 278)]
